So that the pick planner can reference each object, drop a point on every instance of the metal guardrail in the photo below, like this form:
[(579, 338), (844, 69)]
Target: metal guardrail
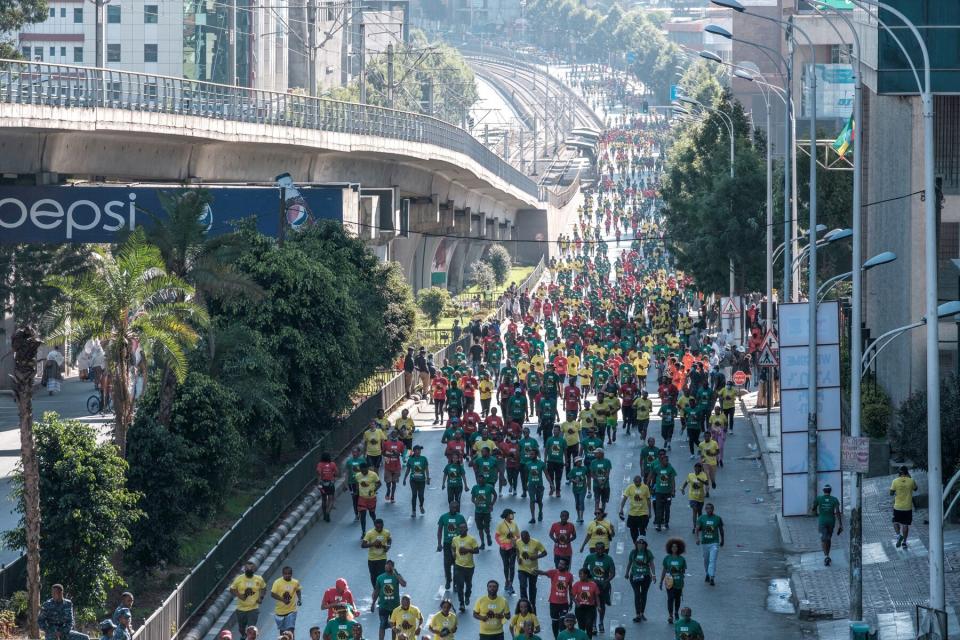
[(71, 86)]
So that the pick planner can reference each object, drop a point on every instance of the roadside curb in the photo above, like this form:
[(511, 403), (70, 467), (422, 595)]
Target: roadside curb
[(768, 468)]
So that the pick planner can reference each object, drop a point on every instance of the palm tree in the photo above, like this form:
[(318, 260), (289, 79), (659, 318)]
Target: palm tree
[(24, 295), (128, 300), (204, 262)]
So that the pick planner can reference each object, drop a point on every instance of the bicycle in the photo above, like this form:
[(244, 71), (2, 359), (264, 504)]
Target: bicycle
[(94, 404)]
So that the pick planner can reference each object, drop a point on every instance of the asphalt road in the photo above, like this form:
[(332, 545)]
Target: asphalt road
[(749, 562)]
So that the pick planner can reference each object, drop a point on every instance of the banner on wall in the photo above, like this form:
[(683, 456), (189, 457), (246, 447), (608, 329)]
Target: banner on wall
[(441, 262), (835, 89), (106, 213)]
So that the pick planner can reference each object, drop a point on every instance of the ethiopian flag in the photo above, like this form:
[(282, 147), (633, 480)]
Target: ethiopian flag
[(842, 5), (842, 144)]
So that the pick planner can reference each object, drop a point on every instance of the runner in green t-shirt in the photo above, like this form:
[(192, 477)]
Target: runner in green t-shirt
[(484, 496), (711, 538), (554, 451), (829, 514), (600, 469), (579, 479), (534, 468)]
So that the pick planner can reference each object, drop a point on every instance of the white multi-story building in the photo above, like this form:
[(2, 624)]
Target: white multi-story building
[(180, 38)]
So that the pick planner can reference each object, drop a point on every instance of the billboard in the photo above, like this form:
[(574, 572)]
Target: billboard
[(105, 213), (795, 402), (835, 89)]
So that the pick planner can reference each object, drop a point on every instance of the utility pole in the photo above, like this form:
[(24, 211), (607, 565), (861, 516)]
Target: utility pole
[(390, 86), (363, 63), (523, 165), (100, 35), (311, 47), (534, 172), (431, 103), (232, 42)]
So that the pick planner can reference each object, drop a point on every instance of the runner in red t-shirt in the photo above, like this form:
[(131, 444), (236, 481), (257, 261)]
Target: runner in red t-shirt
[(393, 450), (335, 596), (439, 386), (469, 384), (561, 594), (510, 454), (326, 477), (585, 597), (494, 422), (571, 401), (563, 533)]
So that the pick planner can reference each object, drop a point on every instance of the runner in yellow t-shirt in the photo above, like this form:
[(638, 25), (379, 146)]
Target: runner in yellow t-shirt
[(902, 489)]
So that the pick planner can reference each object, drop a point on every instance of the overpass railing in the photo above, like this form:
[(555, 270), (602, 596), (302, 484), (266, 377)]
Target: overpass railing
[(71, 86)]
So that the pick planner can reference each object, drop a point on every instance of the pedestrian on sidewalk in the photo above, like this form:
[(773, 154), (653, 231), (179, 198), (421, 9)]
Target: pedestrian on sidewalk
[(710, 538), (409, 366), (903, 488), (829, 515)]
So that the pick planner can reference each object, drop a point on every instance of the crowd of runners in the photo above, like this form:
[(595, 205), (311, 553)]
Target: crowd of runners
[(527, 411)]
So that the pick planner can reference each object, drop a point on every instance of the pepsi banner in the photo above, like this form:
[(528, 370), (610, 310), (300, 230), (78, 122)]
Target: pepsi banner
[(106, 213)]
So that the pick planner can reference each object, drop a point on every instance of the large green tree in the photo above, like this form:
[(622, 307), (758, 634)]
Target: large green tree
[(127, 299), (202, 261), (15, 14), (711, 218), (332, 314), (26, 296), (87, 510)]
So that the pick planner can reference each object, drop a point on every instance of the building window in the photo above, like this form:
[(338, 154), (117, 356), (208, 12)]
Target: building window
[(26, 52), (113, 14), (53, 52), (63, 12), (949, 240), (149, 53), (38, 54), (840, 53), (150, 91), (53, 13), (113, 53), (78, 16), (151, 13), (78, 54), (63, 52)]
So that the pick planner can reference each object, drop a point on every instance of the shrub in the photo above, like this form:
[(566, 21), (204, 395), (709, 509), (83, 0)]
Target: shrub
[(87, 509), (432, 302), (481, 275), (499, 260), (875, 413), (909, 435)]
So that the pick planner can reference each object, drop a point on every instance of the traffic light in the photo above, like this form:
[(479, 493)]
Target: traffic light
[(646, 107)]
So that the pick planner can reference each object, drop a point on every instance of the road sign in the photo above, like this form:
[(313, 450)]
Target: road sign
[(770, 340), (739, 378), (767, 358), (855, 454), (730, 308)]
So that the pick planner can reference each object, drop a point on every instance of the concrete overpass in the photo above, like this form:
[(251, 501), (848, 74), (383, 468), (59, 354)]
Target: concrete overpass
[(60, 122)]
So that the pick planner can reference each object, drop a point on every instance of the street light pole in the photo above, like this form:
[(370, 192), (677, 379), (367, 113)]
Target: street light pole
[(856, 328), (934, 461)]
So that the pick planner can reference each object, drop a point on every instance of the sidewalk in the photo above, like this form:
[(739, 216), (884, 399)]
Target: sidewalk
[(894, 580)]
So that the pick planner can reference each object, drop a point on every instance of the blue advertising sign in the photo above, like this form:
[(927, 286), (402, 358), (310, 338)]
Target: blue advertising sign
[(104, 213), (674, 92)]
